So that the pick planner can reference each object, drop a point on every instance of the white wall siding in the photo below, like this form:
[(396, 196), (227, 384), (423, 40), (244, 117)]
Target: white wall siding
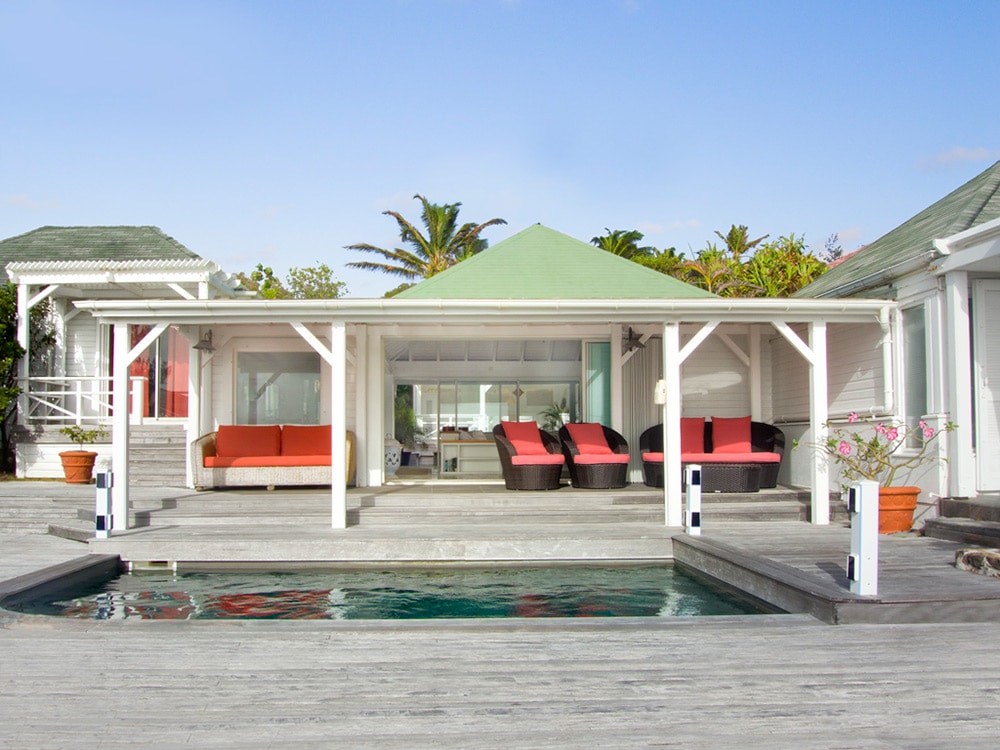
[(855, 372), (82, 347), (714, 382)]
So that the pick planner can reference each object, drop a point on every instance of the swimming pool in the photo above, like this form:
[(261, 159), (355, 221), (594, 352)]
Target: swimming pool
[(430, 592)]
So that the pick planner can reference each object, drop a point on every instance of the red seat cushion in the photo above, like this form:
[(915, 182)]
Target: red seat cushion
[(656, 458), (731, 435), (305, 440), (601, 458), (730, 458), (248, 440), (549, 459), (525, 438), (226, 462), (692, 434), (589, 438)]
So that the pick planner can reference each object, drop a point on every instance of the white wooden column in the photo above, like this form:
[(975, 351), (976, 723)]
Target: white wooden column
[(374, 388), (617, 390), (360, 404), (193, 421), (23, 364), (672, 480), (756, 377), (818, 416), (958, 356), (338, 425), (119, 428)]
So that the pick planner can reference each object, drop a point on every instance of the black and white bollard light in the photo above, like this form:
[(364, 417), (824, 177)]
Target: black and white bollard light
[(692, 477), (862, 563), (102, 507)]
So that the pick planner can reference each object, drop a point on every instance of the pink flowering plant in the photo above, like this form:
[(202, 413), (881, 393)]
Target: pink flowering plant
[(884, 448)]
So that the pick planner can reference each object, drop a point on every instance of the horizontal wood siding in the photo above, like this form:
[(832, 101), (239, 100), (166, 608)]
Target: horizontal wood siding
[(854, 367), (714, 382)]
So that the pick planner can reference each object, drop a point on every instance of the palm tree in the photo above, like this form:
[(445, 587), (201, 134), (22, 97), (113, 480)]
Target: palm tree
[(423, 256), (624, 243), (738, 241)]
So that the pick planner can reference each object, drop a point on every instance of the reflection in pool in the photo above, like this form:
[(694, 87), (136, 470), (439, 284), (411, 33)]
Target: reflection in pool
[(400, 593)]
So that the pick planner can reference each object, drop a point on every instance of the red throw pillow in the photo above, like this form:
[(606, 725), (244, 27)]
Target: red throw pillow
[(305, 440), (248, 440), (731, 435), (525, 438), (692, 434), (589, 437)]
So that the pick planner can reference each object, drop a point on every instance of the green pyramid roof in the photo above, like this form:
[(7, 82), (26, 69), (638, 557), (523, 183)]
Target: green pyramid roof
[(93, 243), (541, 263), (976, 202)]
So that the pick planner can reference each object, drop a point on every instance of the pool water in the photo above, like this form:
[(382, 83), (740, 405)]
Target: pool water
[(424, 593)]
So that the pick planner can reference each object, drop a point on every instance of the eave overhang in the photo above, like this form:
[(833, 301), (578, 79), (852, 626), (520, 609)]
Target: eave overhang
[(466, 312)]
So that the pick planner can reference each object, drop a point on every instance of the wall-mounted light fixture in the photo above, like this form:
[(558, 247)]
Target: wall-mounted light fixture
[(205, 345)]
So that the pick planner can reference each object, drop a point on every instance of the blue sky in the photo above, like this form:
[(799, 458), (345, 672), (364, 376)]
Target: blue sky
[(277, 132)]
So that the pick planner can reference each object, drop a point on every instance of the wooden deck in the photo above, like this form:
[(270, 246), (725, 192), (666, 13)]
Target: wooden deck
[(781, 681)]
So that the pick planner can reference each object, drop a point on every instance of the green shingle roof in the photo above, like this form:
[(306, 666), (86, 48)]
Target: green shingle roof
[(92, 243), (541, 263), (976, 202)]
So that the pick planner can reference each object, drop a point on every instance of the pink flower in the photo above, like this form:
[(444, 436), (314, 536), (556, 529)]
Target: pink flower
[(880, 429), (853, 417), (922, 424), (844, 448), (891, 434), (928, 433)]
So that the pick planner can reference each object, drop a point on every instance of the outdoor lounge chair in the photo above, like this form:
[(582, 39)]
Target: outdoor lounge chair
[(597, 456), (530, 458), (744, 457)]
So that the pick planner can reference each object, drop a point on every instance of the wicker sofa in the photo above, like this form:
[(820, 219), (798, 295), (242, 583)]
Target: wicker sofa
[(266, 456), (736, 455)]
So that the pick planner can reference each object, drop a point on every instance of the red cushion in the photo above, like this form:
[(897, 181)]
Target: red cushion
[(692, 434), (656, 458), (248, 440), (601, 458), (589, 437), (525, 438), (731, 435), (730, 458), (305, 440), (225, 462), (549, 459)]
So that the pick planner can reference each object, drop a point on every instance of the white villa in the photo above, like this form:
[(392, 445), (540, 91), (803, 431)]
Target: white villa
[(903, 329)]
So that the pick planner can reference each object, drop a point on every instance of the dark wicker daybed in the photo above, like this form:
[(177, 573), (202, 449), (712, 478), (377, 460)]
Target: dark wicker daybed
[(597, 456), (726, 466)]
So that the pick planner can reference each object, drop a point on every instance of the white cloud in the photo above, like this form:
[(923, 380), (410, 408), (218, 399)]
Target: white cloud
[(649, 227), (685, 224), (23, 201), (957, 155)]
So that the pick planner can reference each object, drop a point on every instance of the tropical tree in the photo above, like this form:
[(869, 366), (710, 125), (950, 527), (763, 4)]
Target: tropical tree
[(782, 267), (712, 270), (424, 254), (42, 337), (738, 241), (624, 243), (667, 261), (315, 282)]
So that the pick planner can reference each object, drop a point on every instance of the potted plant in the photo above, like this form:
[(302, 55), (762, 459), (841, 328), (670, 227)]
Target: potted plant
[(878, 455), (78, 465)]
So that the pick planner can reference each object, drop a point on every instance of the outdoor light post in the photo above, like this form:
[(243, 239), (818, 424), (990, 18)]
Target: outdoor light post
[(862, 563)]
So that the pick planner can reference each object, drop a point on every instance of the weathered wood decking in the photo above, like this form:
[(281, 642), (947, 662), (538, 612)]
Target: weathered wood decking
[(784, 681)]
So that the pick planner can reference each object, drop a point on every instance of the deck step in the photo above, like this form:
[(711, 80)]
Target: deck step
[(964, 530), (157, 455)]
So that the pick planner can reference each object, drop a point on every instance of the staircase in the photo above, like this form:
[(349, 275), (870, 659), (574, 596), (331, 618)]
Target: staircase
[(975, 522), (157, 455)]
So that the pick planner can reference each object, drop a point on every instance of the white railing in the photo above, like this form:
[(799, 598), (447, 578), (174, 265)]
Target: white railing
[(75, 400)]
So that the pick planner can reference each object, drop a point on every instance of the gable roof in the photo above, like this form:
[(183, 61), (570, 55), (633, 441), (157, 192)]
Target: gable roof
[(122, 243), (890, 256), (541, 263)]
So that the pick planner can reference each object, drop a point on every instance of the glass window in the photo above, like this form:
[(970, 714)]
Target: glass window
[(598, 385), (277, 388), (914, 364)]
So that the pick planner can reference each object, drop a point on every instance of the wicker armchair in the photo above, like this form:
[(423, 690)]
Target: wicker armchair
[(597, 456), (530, 458)]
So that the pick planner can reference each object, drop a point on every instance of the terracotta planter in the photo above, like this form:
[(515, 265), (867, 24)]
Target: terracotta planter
[(895, 508), (78, 466)]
